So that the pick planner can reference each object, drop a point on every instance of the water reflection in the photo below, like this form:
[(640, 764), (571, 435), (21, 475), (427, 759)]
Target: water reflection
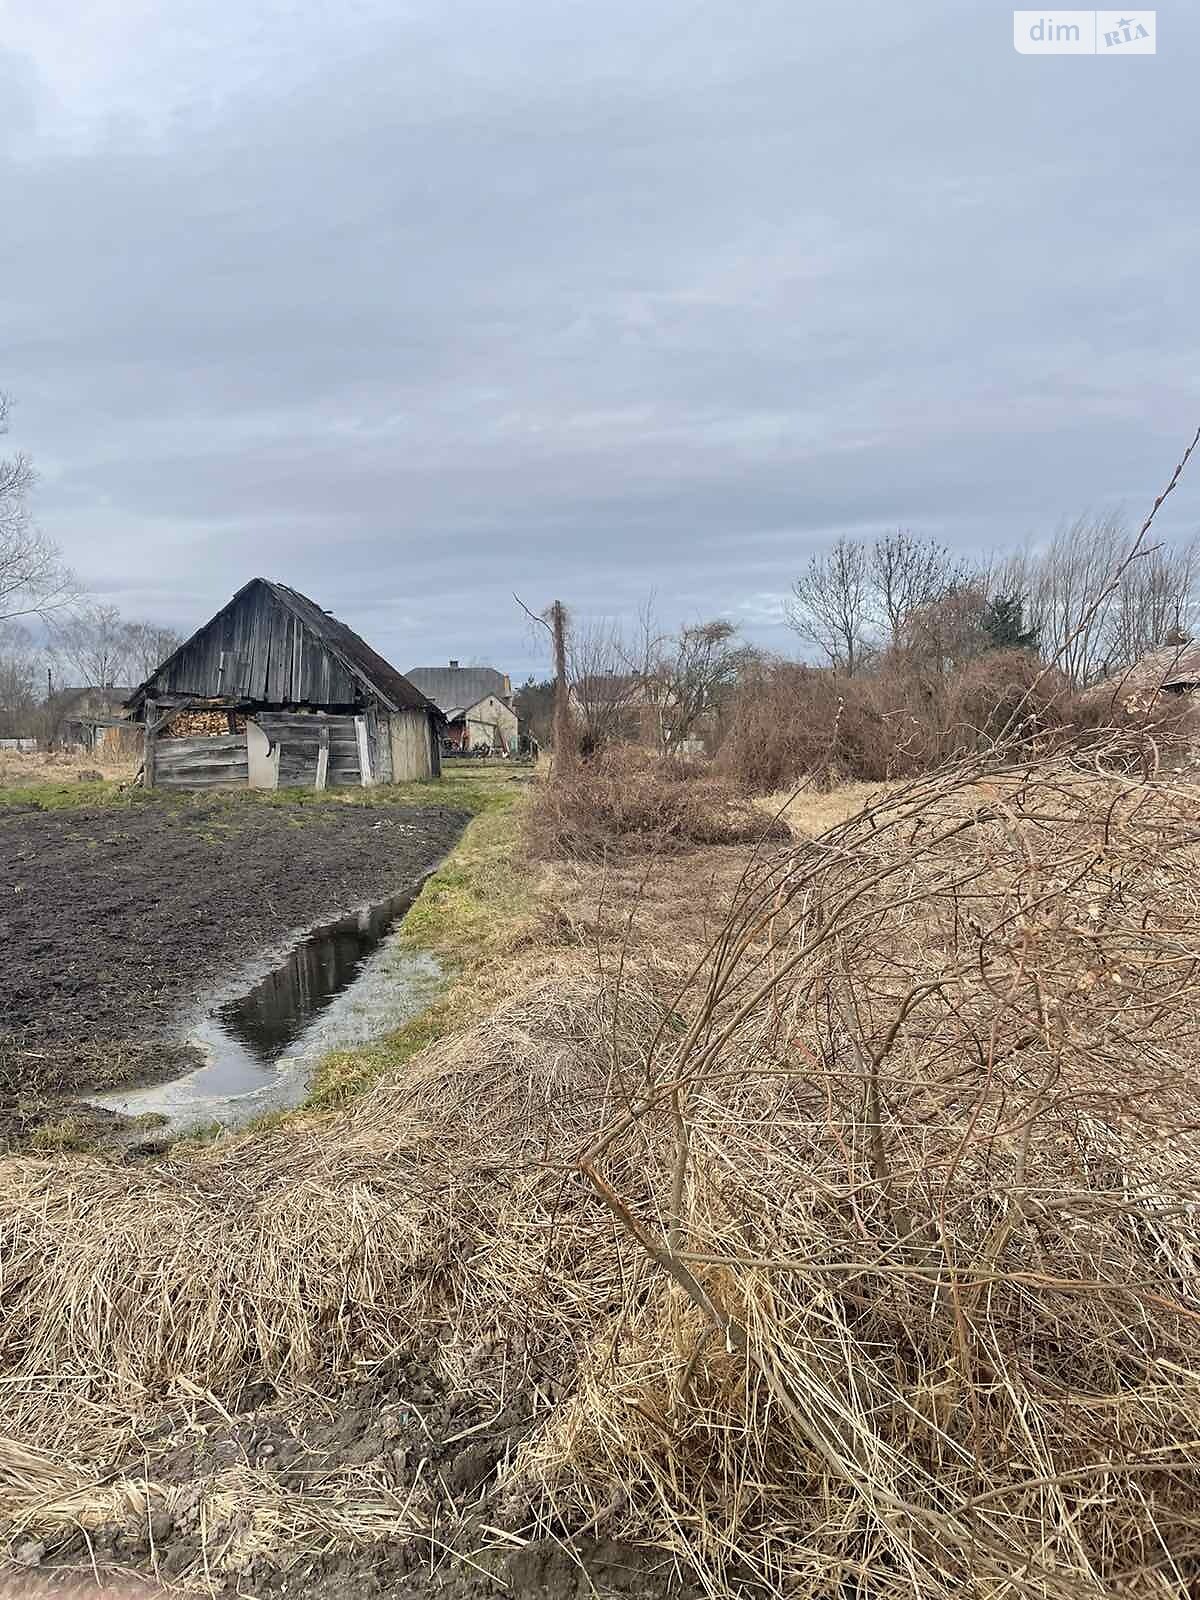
[(342, 984), (276, 1011)]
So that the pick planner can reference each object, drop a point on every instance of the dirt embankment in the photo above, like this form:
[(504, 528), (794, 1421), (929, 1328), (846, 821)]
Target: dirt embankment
[(412, 1470), (115, 919)]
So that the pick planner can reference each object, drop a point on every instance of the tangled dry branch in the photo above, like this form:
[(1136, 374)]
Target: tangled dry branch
[(921, 1172)]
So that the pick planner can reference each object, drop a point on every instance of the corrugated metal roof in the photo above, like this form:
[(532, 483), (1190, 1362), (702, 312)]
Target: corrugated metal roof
[(453, 688)]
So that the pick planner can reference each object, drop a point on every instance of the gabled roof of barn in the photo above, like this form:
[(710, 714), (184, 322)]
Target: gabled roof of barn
[(366, 664), (458, 688), (355, 654)]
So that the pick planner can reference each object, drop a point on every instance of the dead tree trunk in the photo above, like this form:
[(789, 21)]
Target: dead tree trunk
[(564, 731)]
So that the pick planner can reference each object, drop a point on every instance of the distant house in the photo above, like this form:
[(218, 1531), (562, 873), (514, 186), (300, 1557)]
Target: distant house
[(618, 705), (636, 707), (82, 719), (477, 705), (274, 692), (1172, 670)]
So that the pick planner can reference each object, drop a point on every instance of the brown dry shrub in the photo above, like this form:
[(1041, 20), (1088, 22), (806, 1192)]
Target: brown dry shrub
[(626, 799), (778, 726), (922, 1199), (789, 722)]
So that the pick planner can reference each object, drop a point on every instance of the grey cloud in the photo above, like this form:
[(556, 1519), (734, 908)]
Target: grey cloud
[(435, 303)]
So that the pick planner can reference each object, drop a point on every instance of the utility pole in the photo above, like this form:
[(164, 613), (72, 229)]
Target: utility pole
[(564, 741), (565, 749)]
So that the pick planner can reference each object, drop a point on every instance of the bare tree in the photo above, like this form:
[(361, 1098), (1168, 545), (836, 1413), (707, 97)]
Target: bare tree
[(20, 682), (146, 646), (34, 579), (1097, 604), (701, 666), (613, 684), (908, 574), (93, 645), (555, 621), (1069, 603), (831, 604), (942, 635), (565, 743), (96, 646), (1155, 602)]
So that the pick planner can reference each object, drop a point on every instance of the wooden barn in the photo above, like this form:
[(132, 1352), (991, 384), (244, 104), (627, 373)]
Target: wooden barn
[(273, 693)]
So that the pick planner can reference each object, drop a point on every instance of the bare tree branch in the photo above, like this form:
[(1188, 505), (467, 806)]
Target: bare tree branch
[(34, 579), (831, 603), (701, 666)]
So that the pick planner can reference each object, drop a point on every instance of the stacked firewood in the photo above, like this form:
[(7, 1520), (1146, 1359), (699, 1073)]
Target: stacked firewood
[(195, 723)]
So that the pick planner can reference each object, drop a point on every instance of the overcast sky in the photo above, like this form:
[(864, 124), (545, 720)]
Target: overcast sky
[(412, 303)]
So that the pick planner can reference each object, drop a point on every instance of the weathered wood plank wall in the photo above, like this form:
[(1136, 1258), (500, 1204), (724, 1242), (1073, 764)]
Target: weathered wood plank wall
[(381, 744), (412, 752), (258, 650), (213, 763), (400, 746), (298, 735)]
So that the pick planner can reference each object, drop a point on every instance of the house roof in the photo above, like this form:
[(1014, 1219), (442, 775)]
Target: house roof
[(458, 688), (355, 654), (96, 694), (614, 688), (366, 664), (1175, 667)]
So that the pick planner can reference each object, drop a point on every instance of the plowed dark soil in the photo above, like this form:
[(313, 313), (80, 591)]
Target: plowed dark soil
[(114, 920)]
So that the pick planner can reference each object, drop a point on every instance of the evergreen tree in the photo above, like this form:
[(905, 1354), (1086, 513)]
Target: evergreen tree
[(1004, 624)]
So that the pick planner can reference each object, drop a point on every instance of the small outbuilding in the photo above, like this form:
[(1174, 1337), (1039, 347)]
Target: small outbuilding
[(1170, 672), (92, 718), (477, 703), (274, 692)]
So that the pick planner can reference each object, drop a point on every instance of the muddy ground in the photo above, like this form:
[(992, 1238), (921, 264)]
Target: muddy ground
[(114, 921), (430, 1455)]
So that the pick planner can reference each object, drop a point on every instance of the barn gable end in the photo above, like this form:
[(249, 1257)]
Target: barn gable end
[(275, 691), (256, 650)]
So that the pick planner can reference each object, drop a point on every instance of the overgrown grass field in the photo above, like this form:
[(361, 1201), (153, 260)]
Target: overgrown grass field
[(827, 1200)]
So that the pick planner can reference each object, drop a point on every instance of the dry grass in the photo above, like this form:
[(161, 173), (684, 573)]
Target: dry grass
[(19, 768), (922, 1174), (626, 799), (52, 779), (837, 1209), (811, 811)]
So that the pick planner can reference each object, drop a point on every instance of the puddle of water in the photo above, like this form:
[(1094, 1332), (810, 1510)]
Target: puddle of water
[(343, 983)]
